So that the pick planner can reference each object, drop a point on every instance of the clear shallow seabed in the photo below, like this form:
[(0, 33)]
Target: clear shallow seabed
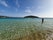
[(10, 29)]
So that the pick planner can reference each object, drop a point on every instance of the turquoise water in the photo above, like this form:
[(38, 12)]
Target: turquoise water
[(11, 28)]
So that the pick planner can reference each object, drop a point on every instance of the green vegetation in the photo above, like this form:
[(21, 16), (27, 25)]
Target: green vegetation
[(31, 16)]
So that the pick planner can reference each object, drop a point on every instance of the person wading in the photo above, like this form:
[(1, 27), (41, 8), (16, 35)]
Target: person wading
[(42, 20)]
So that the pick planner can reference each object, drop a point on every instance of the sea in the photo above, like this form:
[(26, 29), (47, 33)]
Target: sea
[(11, 27)]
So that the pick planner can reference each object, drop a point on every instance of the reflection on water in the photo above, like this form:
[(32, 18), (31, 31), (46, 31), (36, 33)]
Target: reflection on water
[(26, 29)]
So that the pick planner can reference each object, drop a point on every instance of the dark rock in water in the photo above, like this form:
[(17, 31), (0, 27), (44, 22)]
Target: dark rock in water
[(31, 17)]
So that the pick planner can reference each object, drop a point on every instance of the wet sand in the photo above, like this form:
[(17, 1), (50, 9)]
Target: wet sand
[(39, 35)]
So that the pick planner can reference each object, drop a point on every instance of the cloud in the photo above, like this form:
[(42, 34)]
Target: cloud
[(41, 7), (3, 3), (28, 10), (17, 4), (2, 11)]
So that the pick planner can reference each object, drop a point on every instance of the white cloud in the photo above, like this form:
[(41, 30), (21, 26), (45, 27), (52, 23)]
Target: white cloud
[(28, 10), (45, 14), (17, 4), (2, 11), (40, 7), (3, 3)]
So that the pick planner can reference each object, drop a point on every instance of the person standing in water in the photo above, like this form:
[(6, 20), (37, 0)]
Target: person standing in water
[(42, 20)]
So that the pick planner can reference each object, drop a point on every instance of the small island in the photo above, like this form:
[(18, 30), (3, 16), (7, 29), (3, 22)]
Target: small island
[(31, 16)]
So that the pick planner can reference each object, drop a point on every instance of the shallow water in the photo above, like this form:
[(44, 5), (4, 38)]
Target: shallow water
[(20, 27)]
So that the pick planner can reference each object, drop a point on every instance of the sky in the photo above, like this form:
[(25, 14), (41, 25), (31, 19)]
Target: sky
[(21, 8)]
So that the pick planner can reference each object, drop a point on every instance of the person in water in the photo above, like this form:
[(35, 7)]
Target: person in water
[(42, 20)]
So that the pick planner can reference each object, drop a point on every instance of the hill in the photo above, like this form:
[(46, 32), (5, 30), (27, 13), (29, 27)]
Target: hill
[(31, 16)]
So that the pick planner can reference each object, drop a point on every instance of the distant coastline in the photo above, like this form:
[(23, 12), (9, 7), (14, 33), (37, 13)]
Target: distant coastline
[(8, 17), (20, 17), (4, 17)]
